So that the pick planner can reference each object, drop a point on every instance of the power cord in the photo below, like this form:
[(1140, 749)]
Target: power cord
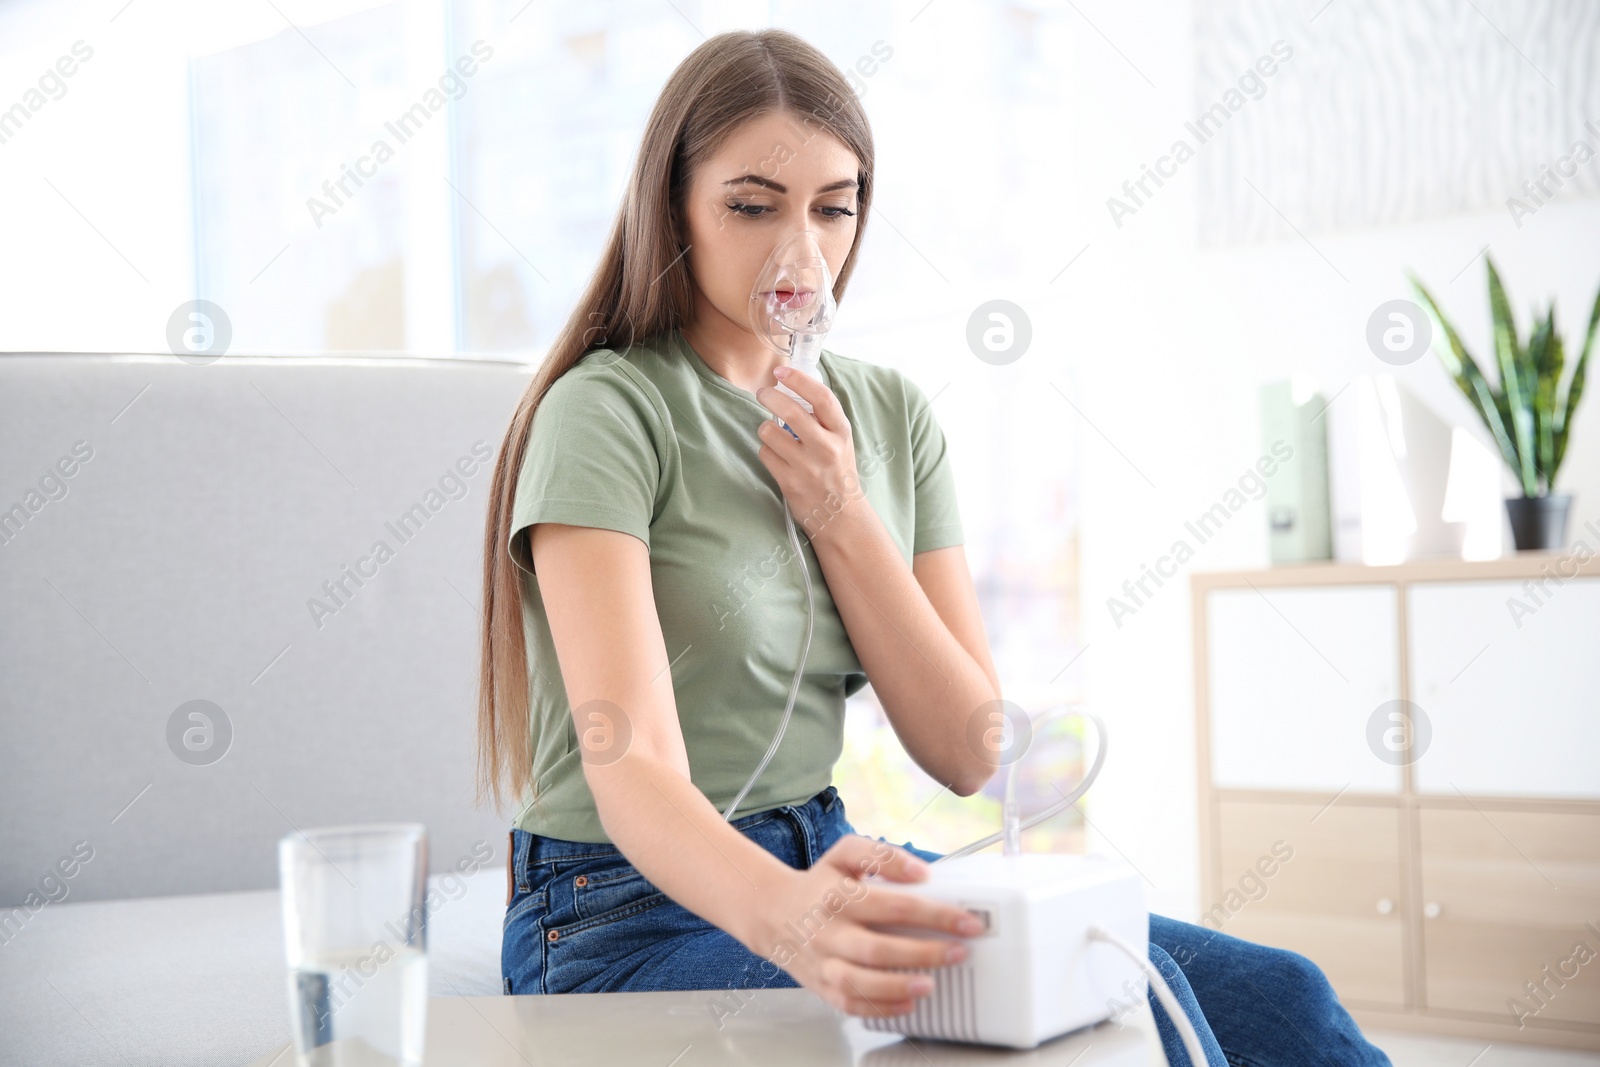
[(1169, 1001)]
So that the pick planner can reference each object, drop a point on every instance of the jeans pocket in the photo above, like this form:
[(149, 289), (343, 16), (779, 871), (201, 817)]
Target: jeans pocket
[(526, 905), (605, 895)]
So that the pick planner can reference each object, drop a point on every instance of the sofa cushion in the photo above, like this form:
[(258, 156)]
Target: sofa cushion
[(180, 540)]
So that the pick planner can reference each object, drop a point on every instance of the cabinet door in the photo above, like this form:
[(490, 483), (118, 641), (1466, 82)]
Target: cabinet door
[(1510, 688), (1508, 898), (1333, 891), (1295, 677)]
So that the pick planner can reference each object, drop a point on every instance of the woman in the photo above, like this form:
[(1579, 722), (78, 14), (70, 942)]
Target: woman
[(637, 562)]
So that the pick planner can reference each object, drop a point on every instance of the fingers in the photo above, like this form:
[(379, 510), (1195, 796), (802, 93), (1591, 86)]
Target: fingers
[(862, 991), (861, 855), (905, 867), (863, 971), (870, 1009), (782, 405), (882, 906), (869, 948), (828, 412), (778, 439)]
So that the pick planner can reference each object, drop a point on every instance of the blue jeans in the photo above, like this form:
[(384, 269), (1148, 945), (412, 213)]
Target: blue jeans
[(583, 920)]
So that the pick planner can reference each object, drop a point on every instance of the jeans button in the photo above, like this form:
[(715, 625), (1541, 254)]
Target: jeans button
[(581, 881)]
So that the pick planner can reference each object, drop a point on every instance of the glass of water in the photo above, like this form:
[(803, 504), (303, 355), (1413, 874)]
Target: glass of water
[(355, 927)]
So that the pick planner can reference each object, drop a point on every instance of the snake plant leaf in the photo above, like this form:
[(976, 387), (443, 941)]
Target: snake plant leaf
[(1504, 410), (1548, 364), (1544, 348), (1563, 412), (1514, 381), (1556, 361), (1464, 371)]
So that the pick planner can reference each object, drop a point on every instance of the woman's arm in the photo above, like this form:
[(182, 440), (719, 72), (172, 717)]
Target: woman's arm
[(597, 594), (919, 636), (916, 630)]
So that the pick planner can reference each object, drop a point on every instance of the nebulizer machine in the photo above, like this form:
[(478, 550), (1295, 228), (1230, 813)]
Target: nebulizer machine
[(1065, 938)]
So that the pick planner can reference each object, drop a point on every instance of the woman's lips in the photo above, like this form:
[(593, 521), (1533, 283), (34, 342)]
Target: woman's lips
[(791, 298)]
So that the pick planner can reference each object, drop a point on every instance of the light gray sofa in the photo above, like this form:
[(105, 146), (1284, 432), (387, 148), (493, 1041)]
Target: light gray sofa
[(173, 533)]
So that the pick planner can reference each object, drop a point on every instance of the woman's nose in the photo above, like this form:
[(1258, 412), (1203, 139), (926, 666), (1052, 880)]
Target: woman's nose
[(796, 232)]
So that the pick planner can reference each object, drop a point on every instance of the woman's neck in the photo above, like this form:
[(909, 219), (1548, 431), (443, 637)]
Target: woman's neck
[(731, 351)]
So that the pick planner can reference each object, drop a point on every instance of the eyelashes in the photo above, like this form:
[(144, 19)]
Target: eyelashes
[(755, 211)]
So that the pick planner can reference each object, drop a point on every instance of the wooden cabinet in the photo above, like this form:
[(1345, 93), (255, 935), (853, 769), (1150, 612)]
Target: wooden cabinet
[(1509, 913), (1399, 772), (1323, 880)]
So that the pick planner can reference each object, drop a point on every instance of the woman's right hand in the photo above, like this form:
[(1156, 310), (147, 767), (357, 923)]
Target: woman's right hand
[(816, 924)]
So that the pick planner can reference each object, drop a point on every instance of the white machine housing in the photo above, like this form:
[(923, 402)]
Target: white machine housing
[(1035, 974)]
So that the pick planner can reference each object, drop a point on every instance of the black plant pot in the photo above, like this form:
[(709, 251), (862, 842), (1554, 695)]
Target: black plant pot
[(1539, 523)]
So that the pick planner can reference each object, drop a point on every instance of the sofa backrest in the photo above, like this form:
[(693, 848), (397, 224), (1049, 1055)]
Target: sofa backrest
[(237, 600)]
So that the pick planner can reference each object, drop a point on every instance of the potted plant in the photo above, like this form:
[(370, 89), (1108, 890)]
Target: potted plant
[(1529, 414)]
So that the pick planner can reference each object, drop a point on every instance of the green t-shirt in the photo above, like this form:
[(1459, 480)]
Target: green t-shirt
[(652, 442)]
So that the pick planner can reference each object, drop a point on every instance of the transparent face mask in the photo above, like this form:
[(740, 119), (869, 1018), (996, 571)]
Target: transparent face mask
[(792, 304)]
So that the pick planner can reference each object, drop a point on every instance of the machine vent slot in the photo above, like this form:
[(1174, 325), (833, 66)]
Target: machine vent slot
[(949, 1013)]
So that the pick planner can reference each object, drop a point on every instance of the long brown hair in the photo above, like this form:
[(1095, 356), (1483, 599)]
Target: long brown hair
[(642, 288)]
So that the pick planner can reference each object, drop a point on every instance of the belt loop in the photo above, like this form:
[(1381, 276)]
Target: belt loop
[(805, 831), (524, 859), (511, 837)]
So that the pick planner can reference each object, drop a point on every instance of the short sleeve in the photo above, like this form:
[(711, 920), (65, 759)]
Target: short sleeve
[(938, 519), (592, 458)]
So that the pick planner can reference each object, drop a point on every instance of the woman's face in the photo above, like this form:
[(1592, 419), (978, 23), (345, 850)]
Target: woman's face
[(773, 177)]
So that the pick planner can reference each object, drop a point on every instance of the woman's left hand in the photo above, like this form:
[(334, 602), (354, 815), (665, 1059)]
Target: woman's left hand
[(817, 473)]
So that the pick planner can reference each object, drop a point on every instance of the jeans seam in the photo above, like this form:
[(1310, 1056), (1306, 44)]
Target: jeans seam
[(760, 820), (578, 926), (521, 908), (802, 826), (544, 952), (565, 858), (616, 874)]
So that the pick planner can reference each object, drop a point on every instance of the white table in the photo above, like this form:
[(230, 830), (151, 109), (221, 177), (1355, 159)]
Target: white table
[(773, 1028)]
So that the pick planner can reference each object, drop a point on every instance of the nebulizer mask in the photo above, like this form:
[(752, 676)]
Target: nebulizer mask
[(792, 306)]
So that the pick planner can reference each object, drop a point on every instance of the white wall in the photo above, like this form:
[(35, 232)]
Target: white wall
[(1173, 341)]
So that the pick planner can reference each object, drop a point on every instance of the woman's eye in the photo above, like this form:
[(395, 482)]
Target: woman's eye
[(755, 211)]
